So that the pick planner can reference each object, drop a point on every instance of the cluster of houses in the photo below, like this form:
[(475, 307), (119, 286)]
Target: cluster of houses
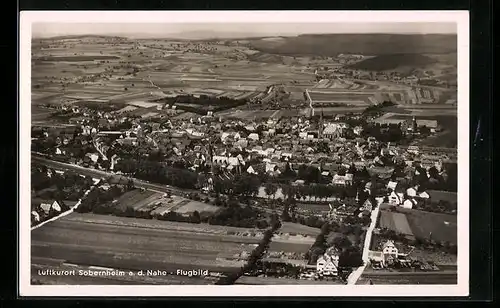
[(238, 146), (327, 265), (42, 209)]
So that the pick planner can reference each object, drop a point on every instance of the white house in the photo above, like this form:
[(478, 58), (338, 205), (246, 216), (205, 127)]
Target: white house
[(409, 203), (396, 198), (253, 136), (224, 136), (220, 159), (328, 263), (390, 252), (412, 191), (368, 187), (424, 195), (343, 180), (392, 185), (367, 205), (35, 216), (358, 130), (251, 170), (413, 149), (46, 207)]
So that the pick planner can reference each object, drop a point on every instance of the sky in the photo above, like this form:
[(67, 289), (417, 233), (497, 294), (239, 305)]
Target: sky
[(208, 30)]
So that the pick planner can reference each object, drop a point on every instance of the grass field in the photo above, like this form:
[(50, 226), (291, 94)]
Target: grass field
[(138, 244), (395, 221), (298, 229), (155, 203), (285, 246)]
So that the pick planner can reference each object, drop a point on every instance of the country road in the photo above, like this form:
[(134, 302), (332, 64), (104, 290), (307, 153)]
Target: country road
[(95, 173), (354, 277)]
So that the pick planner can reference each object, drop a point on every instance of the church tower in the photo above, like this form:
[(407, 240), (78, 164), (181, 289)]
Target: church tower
[(321, 125), (414, 124)]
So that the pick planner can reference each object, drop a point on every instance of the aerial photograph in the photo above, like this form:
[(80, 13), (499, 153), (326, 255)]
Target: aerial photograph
[(243, 154)]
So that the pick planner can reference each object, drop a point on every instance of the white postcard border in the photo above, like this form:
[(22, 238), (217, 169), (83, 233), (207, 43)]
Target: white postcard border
[(27, 18)]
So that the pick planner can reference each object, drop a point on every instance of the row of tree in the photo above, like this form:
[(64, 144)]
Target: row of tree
[(158, 173), (256, 254), (350, 255)]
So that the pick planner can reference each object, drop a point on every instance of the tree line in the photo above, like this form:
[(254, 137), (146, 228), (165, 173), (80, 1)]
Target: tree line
[(255, 256), (159, 173)]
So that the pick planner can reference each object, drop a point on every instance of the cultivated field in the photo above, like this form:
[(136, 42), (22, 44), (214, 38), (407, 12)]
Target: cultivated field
[(130, 70), (156, 204), (247, 280), (298, 229), (413, 278), (290, 244), (137, 244), (369, 94), (420, 224)]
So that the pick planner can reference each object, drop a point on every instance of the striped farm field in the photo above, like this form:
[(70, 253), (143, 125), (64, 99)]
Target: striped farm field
[(421, 224), (132, 244), (396, 222)]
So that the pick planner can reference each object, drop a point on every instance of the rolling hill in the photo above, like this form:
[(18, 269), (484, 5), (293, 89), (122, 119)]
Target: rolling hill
[(365, 44), (394, 61)]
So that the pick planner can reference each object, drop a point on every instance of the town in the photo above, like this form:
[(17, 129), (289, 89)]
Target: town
[(276, 187)]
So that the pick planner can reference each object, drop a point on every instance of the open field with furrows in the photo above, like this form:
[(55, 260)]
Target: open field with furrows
[(298, 229), (414, 278), (246, 114), (137, 244), (290, 244), (395, 221), (354, 98), (420, 224), (39, 113), (101, 69), (346, 84), (247, 280), (156, 203)]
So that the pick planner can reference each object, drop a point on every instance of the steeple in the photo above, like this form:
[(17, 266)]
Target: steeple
[(321, 125), (414, 124)]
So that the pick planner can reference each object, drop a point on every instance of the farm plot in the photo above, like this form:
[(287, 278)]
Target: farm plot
[(298, 229), (248, 280), (355, 98), (248, 115), (395, 221), (39, 113), (443, 227), (420, 224), (285, 246), (135, 199), (137, 244), (330, 111), (408, 278), (201, 207), (77, 58)]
